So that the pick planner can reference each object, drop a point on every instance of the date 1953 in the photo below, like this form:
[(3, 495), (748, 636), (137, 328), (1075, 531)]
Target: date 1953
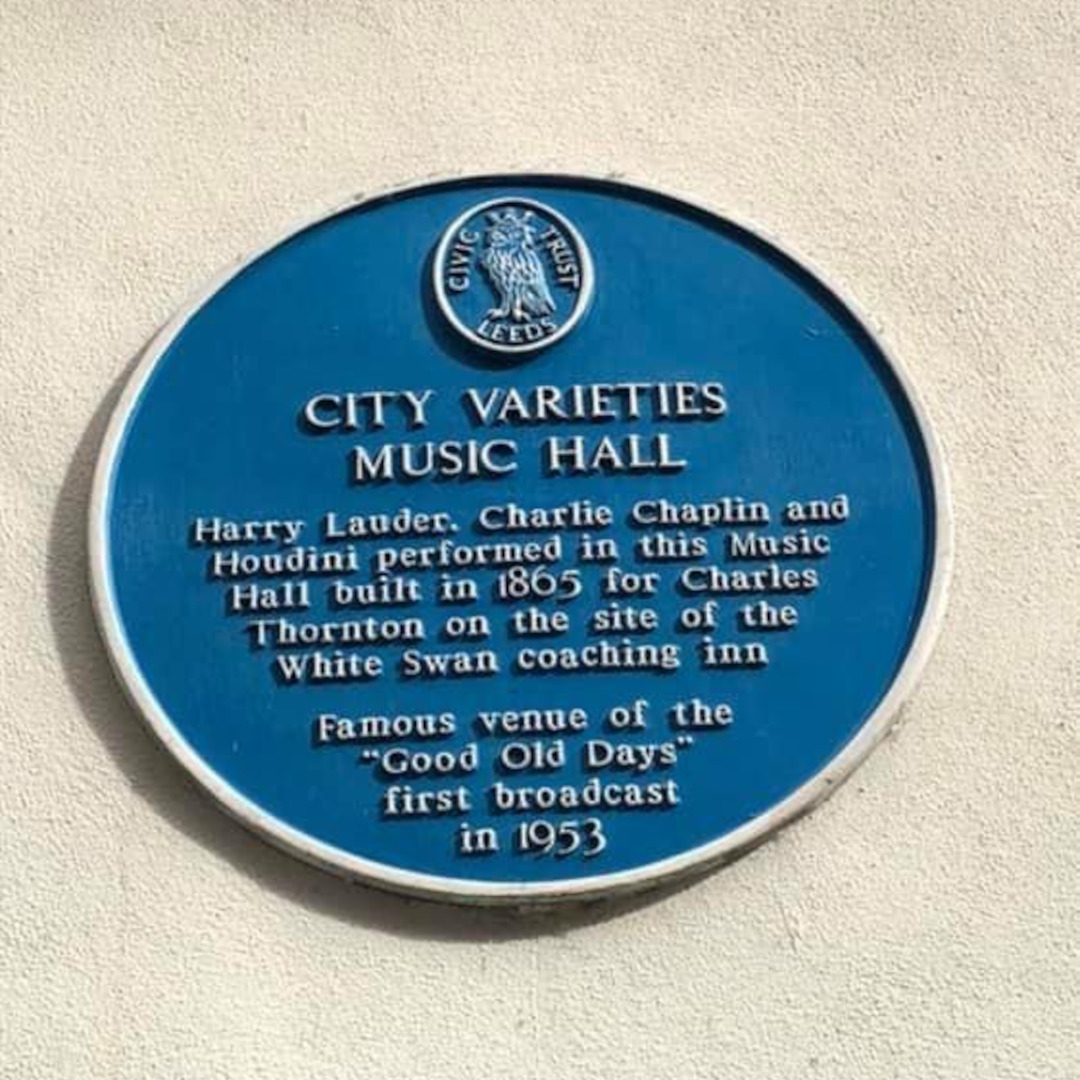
[(540, 837)]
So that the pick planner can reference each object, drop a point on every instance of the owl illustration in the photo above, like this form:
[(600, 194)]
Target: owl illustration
[(516, 272)]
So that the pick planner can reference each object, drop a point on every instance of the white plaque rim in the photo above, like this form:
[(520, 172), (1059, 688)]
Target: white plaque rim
[(696, 860)]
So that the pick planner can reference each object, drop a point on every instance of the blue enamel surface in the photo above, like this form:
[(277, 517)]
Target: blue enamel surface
[(347, 305)]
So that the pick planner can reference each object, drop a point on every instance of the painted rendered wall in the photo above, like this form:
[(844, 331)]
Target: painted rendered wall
[(923, 923)]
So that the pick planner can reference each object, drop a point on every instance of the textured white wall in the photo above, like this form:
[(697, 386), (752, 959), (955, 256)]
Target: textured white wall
[(925, 922)]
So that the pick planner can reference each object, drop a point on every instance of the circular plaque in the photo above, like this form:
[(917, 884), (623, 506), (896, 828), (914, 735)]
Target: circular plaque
[(519, 538)]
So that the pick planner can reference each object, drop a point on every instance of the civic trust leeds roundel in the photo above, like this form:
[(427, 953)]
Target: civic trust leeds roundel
[(519, 538)]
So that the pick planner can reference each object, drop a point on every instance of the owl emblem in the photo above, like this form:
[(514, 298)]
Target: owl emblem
[(526, 256), (510, 260)]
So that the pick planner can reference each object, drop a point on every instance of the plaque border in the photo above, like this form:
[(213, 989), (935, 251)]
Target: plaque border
[(693, 862)]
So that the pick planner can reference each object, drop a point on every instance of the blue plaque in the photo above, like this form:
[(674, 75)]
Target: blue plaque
[(519, 538)]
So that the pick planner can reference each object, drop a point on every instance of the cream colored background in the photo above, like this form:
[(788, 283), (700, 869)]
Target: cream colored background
[(922, 924)]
